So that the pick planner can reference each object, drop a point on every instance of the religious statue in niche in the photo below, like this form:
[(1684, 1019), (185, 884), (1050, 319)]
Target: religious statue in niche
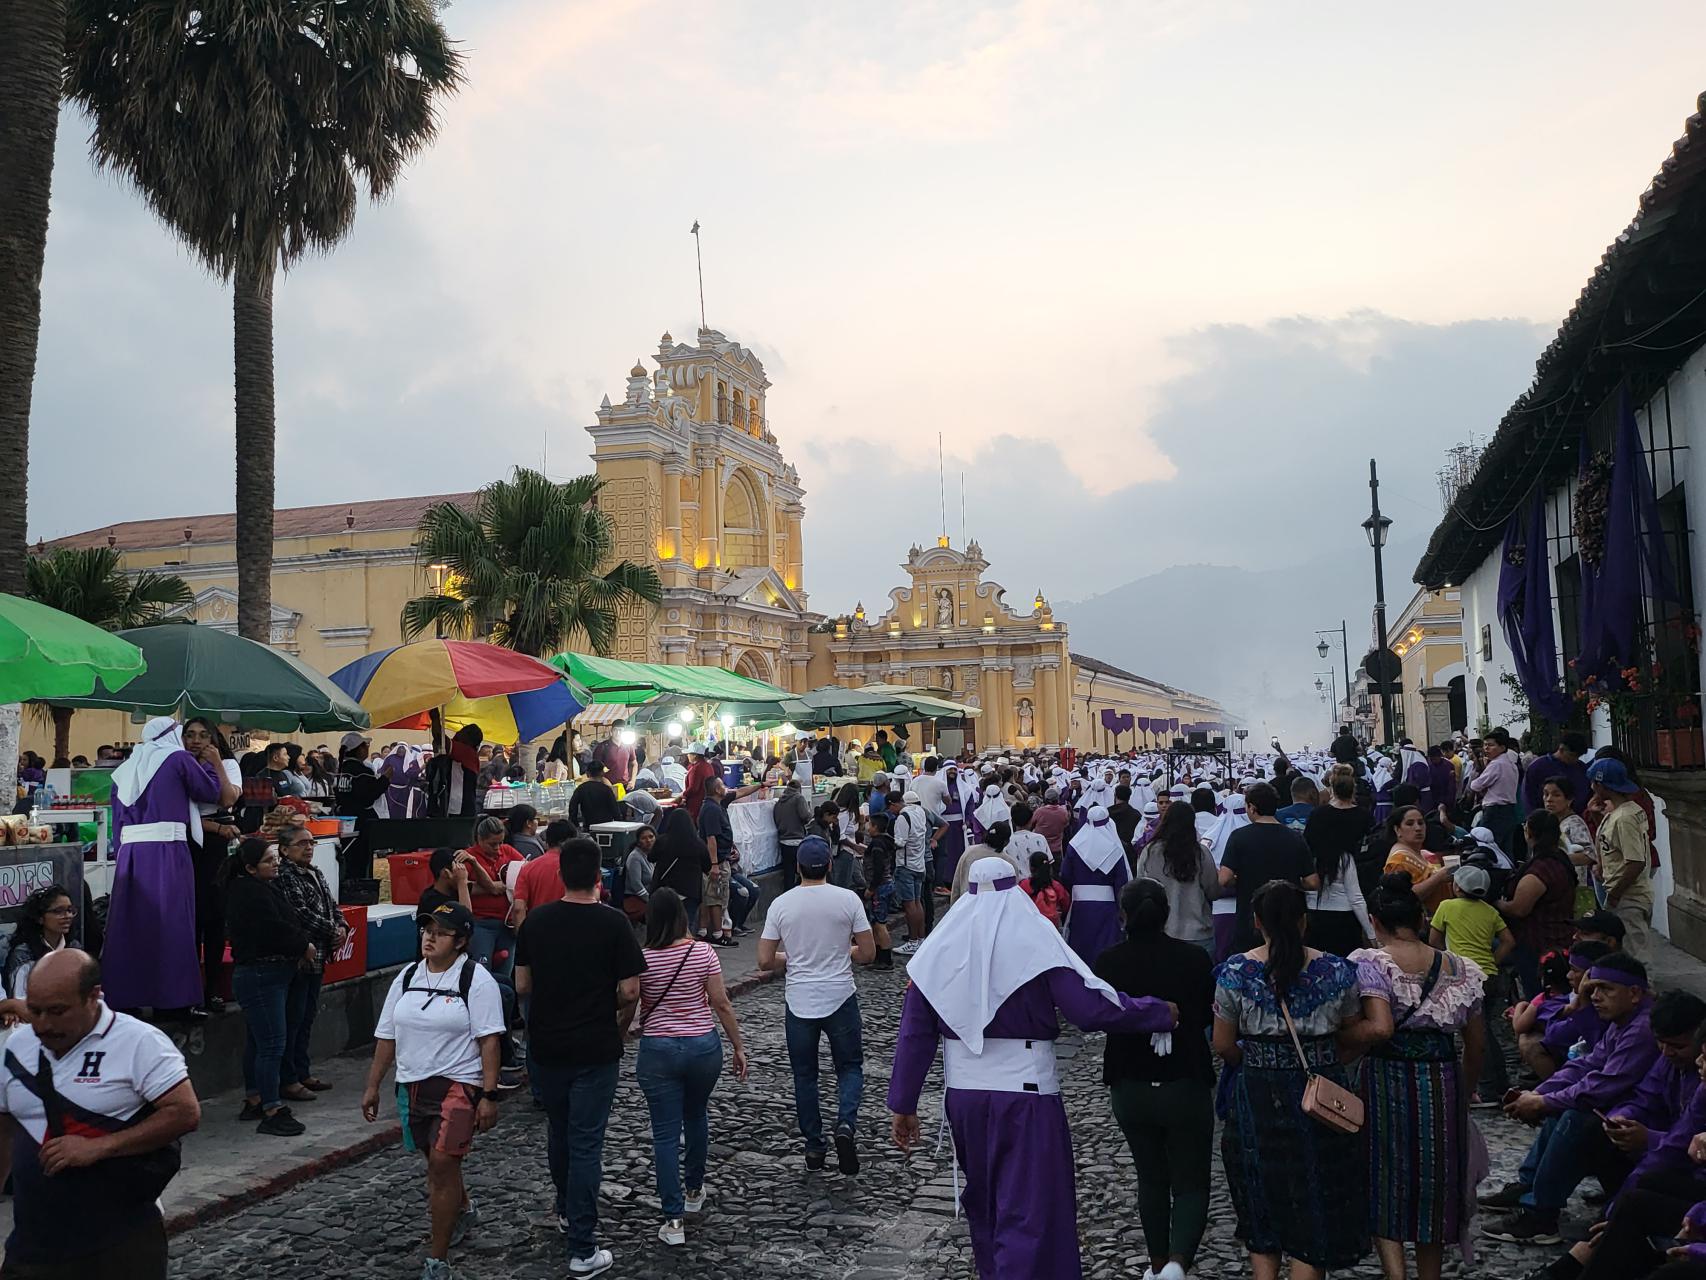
[(944, 607), (947, 681), (1027, 718)]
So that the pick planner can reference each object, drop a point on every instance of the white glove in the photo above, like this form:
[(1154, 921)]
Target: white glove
[(1162, 1043)]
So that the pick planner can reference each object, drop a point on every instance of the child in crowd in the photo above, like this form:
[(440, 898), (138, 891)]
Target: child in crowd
[(1531, 1018), (879, 885), (1576, 1027), (1466, 924), (1050, 895)]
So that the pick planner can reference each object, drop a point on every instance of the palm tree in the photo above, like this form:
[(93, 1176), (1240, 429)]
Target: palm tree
[(88, 583), (248, 126), (526, 567), (32, 57)]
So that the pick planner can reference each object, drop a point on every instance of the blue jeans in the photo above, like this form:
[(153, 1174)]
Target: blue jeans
[(263, 989), (490, 938), (1569, 1147), (677, 1074), (846, 1051), (577, 1107), (301, 1006), (743, 897)]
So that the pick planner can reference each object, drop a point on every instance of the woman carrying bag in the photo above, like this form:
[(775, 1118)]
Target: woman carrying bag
[(682, 997), (1278, 1010)]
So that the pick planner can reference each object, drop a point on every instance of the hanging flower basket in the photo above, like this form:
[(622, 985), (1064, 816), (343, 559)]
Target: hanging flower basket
[(1593, 501)]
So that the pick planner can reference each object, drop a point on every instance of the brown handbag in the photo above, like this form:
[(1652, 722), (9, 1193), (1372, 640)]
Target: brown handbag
[(1325, 1102)]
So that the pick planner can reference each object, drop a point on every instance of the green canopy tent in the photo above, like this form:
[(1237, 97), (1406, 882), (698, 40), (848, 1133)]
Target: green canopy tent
[(832, 706), (194, 670), (48, 654), (637, 683)]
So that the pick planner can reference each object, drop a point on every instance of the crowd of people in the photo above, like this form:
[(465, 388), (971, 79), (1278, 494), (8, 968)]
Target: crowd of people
[(1340, 957)]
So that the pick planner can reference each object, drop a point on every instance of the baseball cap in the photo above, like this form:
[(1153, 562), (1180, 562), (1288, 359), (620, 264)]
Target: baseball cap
[(911, 797), (452, 916), (352, 739), (813, 854), (1603, 922), (1611, 775), (696, 748), (879, 776), (1472, 881)]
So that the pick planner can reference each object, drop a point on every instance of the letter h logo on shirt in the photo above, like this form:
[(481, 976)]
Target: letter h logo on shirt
[(91, 1069)]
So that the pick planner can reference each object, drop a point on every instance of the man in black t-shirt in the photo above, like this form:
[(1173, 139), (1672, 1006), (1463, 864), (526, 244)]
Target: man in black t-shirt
[(449, 882), (1263, 851), (579, 963)]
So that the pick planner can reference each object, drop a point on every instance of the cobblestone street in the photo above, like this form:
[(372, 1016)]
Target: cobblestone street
[(766, 1217)]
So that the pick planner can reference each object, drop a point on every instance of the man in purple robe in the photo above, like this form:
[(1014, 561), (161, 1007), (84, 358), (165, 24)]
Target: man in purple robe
[(953, 842), (1095, 869), (150, 954), (989, 984)]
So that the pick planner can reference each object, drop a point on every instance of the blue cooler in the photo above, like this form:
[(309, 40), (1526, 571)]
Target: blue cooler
[(614, 840), (392, 937), (734, 775)]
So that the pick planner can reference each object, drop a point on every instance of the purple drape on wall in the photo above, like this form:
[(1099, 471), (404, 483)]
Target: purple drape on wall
[(1525, 609), (1635, 561)]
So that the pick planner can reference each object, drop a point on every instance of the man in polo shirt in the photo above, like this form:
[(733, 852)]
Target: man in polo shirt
[(86, 1185), (1623, 845), (1495, 787)]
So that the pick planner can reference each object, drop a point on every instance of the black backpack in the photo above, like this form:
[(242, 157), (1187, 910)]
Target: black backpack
[(464, 981)]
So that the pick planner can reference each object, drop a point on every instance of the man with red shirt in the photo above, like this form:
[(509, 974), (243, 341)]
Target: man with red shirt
[(699, 771), (493, 944), (541, 880)]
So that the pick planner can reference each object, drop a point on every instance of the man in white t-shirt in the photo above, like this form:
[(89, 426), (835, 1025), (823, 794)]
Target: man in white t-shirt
[(813, 934), (114, 1087), (932, 788)]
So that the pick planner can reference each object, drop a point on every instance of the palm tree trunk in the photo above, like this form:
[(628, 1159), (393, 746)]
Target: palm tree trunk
[(32, 60), (62, 732), (252, 341)]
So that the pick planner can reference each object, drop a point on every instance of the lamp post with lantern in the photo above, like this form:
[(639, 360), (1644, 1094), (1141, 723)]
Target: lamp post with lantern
[(1323, 648), (1376, 527)]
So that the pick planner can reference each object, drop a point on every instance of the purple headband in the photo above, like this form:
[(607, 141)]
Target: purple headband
[(1099, 822), (1610, 973), (1579, 961), (1005, 882)]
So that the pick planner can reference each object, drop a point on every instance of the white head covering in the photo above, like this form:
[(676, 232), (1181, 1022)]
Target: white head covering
[(1408, 757), (994, 808), (160, 738), (1097, 844), (989, 944), (1234, 818)]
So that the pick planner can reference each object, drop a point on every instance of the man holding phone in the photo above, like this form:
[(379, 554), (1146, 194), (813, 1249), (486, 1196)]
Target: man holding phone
[(1572, 1142)]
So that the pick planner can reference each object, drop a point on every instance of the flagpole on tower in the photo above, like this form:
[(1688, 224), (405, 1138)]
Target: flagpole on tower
[(699, 258), (942, 485)]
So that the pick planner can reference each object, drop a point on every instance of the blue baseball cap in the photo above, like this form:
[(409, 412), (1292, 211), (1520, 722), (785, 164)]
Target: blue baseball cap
[(813, 853), (1611, 775)]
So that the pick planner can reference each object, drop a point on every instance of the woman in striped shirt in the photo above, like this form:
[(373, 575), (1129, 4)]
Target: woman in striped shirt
[(680, 1056)]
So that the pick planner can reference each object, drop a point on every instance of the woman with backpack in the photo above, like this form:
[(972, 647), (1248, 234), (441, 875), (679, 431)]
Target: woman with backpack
[(682, 998), (441, 1026)]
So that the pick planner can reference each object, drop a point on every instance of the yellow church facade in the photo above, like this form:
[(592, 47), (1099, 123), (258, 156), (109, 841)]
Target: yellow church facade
[(696, 486)]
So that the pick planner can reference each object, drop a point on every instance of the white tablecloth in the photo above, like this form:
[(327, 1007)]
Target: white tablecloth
[(755, 834)]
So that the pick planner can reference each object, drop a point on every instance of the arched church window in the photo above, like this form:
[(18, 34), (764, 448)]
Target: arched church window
[(743, 525), (722, 402)]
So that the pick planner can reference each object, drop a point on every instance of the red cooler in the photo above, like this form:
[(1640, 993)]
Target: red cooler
[(411, 874), (350, 960)]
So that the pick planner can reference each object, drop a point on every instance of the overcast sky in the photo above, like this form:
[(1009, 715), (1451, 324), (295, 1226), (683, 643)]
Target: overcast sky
[(1164, 275)]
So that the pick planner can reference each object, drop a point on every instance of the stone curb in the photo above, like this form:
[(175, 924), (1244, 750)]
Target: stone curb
[(225, 1206)]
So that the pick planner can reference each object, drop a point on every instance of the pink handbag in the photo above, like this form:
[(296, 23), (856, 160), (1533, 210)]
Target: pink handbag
[(1325, 1102)]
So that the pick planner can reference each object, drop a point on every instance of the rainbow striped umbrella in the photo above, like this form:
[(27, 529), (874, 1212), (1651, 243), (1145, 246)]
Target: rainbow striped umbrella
[(512, 697)]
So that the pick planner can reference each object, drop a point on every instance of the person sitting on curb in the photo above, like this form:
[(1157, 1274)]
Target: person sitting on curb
[(1568, 1105)]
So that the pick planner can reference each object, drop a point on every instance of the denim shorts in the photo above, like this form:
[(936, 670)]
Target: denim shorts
[(908, 885), (881, 903)]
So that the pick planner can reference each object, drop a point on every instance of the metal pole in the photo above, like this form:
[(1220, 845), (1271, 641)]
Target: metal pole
[(1380, 600), (1345, 645)]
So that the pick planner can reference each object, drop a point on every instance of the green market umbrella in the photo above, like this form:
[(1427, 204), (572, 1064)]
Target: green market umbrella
[(635, 683), (195, 670), (48, 654)]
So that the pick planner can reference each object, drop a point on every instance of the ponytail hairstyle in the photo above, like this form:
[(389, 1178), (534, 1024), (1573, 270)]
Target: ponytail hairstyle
[(1181, 853), (1394, 903), (1555, 973), (243, 862), (998, 836), (1042, 873), (1143, 903), (1279, 907)]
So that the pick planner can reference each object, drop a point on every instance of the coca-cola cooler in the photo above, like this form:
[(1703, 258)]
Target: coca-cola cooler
[(350, 960)]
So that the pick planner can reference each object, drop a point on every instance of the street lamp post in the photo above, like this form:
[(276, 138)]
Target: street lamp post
[(1376, 527), (1322, 648), (438, 571), (1333, 684)]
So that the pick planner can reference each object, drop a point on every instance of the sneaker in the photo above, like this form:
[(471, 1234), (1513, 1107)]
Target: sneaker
[(723, 940), (672, 1232), (908, 947), (741, 931), (1508, 1196), (465, 1222), (595, 1263), (815, 1159), (436, 1269), (251, 1112), (1478, 1103), (281, 1124), (1525, 1226), (1563, 1267), (696, 1201), (511, 1078), (562, 1224), (846, 1152), (1172, 1271)]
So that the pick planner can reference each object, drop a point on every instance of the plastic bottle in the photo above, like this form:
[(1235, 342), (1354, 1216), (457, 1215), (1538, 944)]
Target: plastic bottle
[(1578, 1050), (45, 796)]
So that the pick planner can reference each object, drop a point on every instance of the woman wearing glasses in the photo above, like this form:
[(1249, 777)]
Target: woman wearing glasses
[(43, 928), (311, 903)]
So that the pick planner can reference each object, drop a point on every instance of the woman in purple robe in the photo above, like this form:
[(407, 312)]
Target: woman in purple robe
[(150, 954), (1094, 869), (997, 1019)]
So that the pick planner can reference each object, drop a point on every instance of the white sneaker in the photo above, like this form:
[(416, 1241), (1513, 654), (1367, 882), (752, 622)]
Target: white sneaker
[(672, 1232), (595, 1263), (696, 1201), (1172, 1271), (908, 947)]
